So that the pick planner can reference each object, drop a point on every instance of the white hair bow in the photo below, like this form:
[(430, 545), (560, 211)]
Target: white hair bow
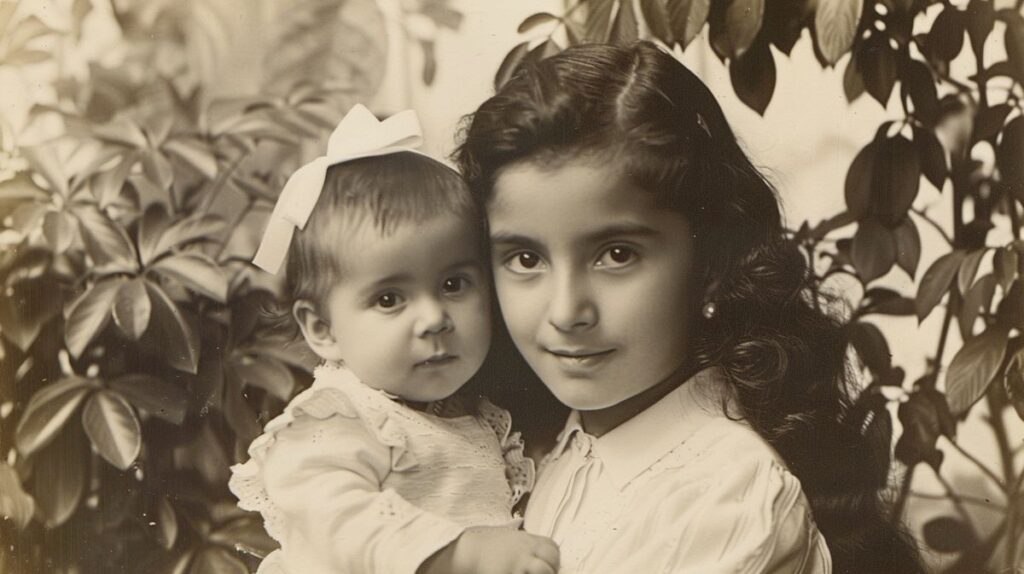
[(359, 134)]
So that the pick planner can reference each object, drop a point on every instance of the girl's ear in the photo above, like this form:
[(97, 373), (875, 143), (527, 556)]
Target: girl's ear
[(316, 331)]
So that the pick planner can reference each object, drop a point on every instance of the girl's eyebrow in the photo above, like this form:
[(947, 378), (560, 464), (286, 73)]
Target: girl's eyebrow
[(632, 230)]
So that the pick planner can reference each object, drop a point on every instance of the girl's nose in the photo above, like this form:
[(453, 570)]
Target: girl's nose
[(572, 308), (433, 319)]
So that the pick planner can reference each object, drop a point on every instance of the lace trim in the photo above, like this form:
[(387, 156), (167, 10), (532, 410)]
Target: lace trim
[(335, 392), (519, 469)]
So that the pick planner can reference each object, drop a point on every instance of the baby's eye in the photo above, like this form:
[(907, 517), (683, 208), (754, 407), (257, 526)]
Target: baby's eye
[(617, 257), (524, 262), (388, 301), (454, 285)]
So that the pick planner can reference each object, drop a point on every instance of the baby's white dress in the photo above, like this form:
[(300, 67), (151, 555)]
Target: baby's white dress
[(351, 481)]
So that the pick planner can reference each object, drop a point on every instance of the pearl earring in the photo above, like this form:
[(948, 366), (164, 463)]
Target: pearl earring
[(708, 310)]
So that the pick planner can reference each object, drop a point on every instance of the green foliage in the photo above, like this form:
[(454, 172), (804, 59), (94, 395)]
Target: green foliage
[(135, 365), (949, 117)]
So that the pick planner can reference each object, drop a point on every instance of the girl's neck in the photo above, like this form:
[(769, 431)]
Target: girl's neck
[(599, 422)]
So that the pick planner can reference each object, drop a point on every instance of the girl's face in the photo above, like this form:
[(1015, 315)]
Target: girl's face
[(593, 279), (411, 314)]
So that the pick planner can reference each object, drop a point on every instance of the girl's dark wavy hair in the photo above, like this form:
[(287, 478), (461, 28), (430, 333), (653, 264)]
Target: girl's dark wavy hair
[(785, 358)]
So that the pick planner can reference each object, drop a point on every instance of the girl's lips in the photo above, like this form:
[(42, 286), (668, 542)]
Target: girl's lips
[(579, 358)]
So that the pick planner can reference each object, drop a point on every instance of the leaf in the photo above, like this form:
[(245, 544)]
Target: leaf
[(59, 230), (871, 346), (936, 282), (853, 82), (897, 179), (158, 169), (186, 231), (908, 246), (120, 131), (687, 18), (948, 534), (172, 331), (977, 299), (166, 523), (106, 241), (883, 301), (510, 64), (655, 15), (753, 77), (1014, 41), (59, 477), (1009, 154), (624, 27), (132, 308), (534, 20), (1005, 264), (835, 23), (974, 367), (15, 504), (925, 417), (873, 251), (27, 30), (27, 307), (217, 560), (153, 395), (877, 64), (734, 25), (195, 271), (932, 157), (20, 187), (946, 37), (245, 532), (107, 184), (598, 21), (920, 86), (113, 428), (989, 121), (194, 153), (981, 18), (859, 181), (969, 269), (266, 373), (44, 161), (89, 314), (27, 57), (1013, 382), (335, 43)]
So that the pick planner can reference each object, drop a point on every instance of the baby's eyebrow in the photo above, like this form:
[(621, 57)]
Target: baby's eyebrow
[(468, 262)]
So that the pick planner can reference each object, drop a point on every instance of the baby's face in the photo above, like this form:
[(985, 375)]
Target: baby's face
[(411, 315)]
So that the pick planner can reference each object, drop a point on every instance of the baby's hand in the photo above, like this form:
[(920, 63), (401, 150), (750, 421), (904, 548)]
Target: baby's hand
[(493, 550)]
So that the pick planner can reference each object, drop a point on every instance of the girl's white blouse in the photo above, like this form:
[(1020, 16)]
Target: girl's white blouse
[(350, 480), (679, 488)]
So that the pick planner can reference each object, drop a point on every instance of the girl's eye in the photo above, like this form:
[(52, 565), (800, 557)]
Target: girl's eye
[(616, 257), (524, 262), (388, 301), (454, 285)]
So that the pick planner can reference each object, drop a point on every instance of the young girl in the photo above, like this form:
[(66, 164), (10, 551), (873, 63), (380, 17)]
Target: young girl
[(381, 467), (642, 270)]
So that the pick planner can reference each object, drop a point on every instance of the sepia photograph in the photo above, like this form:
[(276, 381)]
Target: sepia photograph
[(511, 287)]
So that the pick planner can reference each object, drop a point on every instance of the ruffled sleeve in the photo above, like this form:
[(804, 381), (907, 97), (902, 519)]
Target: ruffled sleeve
[(519, 469), (316, 474), (753, 518)]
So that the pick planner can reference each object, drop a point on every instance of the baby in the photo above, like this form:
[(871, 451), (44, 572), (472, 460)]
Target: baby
[(381, 466)]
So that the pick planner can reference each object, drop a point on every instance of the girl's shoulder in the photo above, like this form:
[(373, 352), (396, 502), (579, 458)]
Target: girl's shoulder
[(724, 444)]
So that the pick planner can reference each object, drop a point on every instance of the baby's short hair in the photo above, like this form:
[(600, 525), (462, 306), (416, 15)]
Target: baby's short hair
[(388, 190)]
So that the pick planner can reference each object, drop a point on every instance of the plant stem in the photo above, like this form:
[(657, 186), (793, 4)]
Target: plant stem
[(995, 419), (924, 215), (981, 466), (904, 492), (963, 497), (957, 502)]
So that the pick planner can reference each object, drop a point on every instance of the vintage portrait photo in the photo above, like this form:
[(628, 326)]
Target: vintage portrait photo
[(511, 287)]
